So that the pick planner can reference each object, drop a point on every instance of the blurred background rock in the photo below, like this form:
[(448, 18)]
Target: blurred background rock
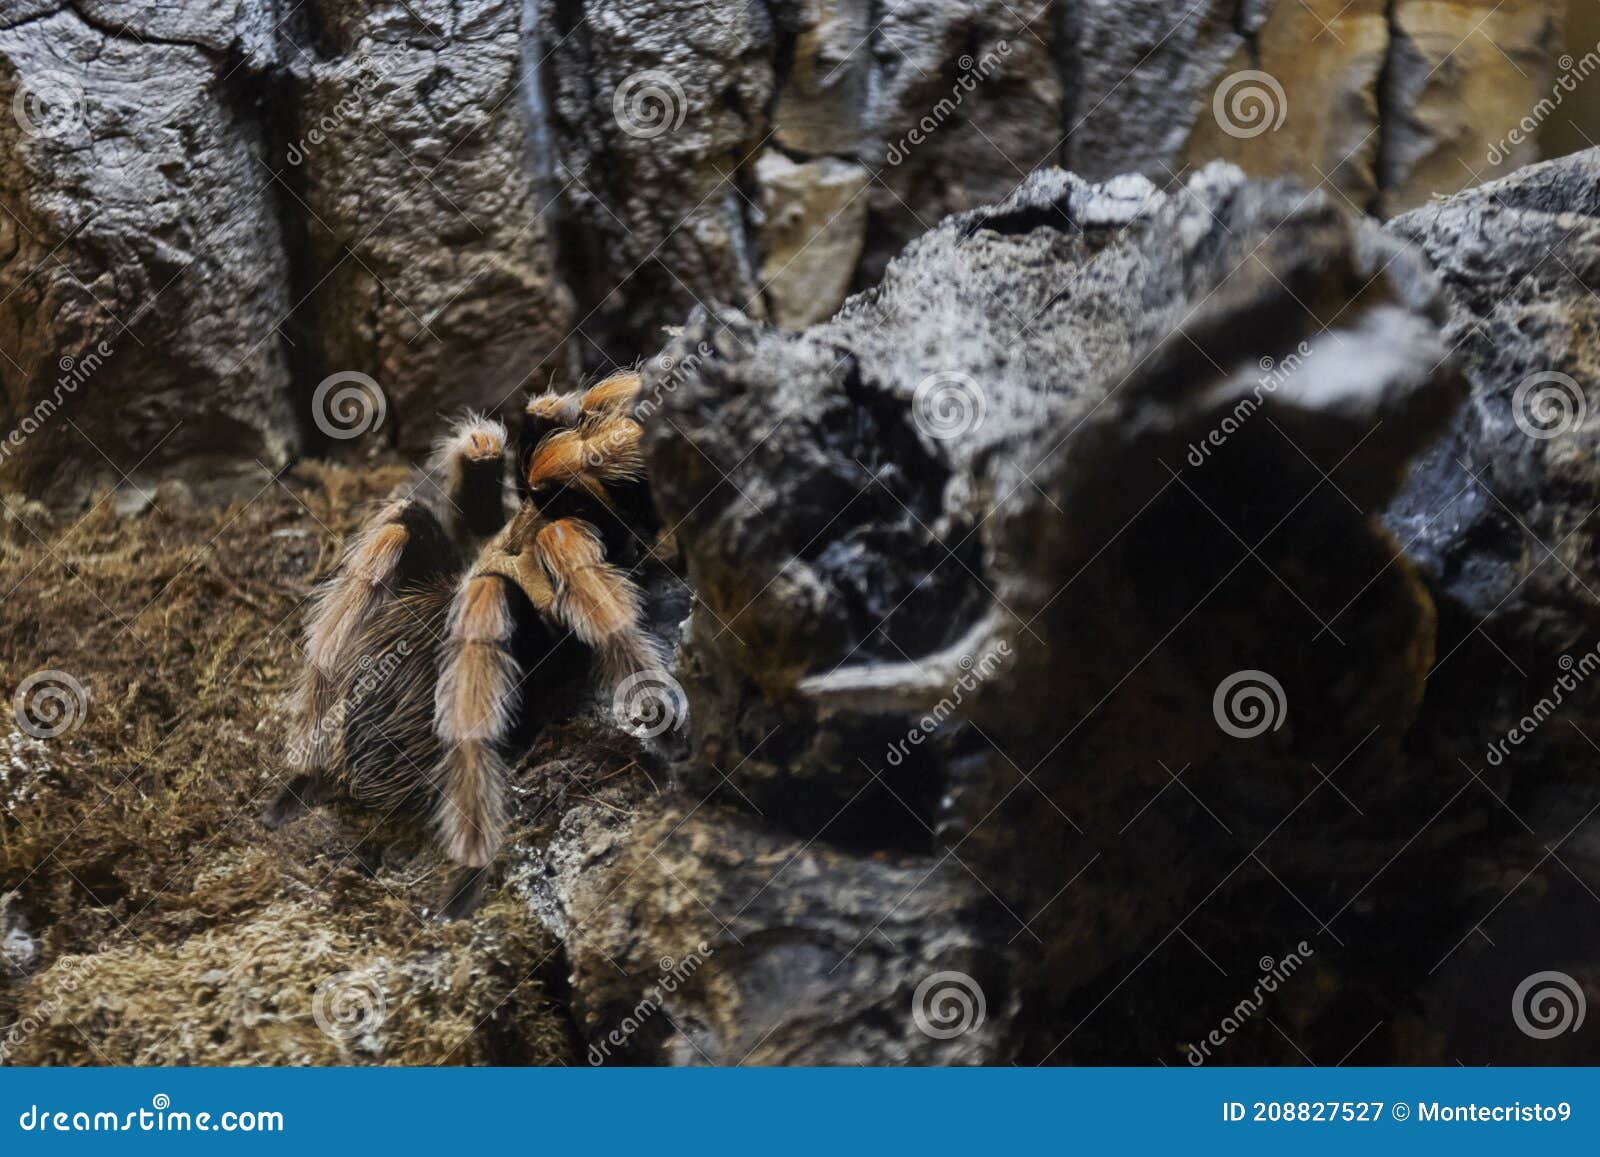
[(208, 208)]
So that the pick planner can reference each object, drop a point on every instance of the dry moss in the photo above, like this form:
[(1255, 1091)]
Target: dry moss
[(297, 984), (133, 839)]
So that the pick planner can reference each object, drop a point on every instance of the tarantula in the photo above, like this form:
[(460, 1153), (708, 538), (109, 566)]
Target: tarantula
[(469, 612)]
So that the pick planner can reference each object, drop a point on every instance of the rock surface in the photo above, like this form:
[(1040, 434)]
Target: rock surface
[(1055, 577), (1105, 615), (961, 598), (429, 251), (1498, 517), (144, 263), (1462, 102), (458, 200), (806, 267)]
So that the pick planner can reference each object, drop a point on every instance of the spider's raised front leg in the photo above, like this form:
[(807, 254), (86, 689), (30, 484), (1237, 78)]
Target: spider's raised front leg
[(547, 413), (467, 477)]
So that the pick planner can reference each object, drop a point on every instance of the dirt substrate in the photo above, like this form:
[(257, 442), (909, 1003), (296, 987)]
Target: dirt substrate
[(148, 917)]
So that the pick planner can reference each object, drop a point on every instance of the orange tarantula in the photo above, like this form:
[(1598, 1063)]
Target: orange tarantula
[(469, 611)]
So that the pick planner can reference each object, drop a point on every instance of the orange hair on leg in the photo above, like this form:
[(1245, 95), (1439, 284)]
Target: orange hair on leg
[(473, 709)]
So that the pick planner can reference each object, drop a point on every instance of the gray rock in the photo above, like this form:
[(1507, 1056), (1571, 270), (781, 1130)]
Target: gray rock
[(659, 120), (740, 946), (966, 99), (1144, 72), (136, 202), (1498, 516), (444, 198), (428, 230), (814, 225), (971, 570)]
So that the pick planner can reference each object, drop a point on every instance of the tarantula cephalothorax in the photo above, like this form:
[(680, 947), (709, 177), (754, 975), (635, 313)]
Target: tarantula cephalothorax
[(460, 620)]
